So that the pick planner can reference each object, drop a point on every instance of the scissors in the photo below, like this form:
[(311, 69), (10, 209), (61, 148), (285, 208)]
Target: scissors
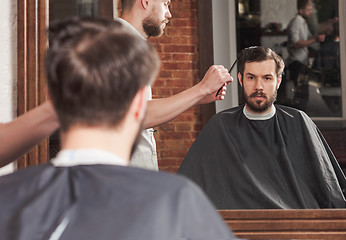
[(230, 70)]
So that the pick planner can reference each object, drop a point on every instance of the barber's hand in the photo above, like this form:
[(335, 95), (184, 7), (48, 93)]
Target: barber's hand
[(216, 77), (321, 37)]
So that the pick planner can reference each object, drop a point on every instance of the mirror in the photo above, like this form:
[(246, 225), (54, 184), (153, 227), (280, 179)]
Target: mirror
[(312, 83), (59, 9), (264, 22), (31, 38)]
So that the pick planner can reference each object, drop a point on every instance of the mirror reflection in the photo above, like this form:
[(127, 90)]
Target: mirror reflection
[(309, 44), (263, 156), (59, 9)]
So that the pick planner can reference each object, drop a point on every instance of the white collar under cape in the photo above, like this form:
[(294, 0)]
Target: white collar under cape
[(265, 116), (69, 158)]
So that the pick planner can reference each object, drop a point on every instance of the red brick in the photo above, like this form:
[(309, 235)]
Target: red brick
[(181, 22), (178, 48), (174, 135), (172, 31), (166, 56), (183, 127), (187, 31), (171, 169), (185, 117), (178, 83), (181, 57), (169, 162), (165, 74), (175, 152), (183, 74), (177, 65), (167, 127)]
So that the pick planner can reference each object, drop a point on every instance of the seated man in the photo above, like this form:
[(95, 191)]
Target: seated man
[(98, 73), (261, 155)]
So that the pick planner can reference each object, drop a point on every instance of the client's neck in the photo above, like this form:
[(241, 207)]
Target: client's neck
[(106, 139)]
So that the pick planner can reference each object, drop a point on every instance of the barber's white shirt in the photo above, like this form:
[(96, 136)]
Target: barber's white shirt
[(145, 155), (298, 31)]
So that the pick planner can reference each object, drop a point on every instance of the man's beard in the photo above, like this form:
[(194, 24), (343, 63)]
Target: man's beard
[(151, 27), (259, 106)]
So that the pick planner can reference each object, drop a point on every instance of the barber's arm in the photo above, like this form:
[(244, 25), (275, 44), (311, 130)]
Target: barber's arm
[(26, 131), (165, 109), (318, 38)]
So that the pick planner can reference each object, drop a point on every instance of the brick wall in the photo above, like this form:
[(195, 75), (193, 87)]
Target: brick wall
[(178, 50)]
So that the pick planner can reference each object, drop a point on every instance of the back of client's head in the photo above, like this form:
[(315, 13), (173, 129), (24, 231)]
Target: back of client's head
[(259, 54), (95, 67)]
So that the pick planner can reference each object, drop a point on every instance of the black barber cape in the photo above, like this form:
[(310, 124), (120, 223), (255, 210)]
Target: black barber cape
[(283, 162), (105, 202)]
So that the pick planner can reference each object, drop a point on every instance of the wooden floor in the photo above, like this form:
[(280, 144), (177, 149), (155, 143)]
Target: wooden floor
[(287, 224)]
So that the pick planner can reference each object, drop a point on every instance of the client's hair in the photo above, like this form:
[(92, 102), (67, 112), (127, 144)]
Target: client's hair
[(95, 67), (259, 54)]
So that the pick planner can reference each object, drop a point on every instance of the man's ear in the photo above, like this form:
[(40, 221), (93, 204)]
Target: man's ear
[(140, 103), (145, 4), (279, 81), (240, 79)]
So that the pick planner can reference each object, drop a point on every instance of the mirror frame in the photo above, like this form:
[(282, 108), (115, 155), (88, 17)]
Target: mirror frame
[(32, 23), (287, 224), (31, 90)]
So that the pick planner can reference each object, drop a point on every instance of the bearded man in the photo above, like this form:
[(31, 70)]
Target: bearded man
[(148, 18), (263, 155)]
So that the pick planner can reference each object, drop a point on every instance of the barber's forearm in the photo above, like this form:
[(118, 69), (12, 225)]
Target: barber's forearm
[(162, 110), (300, 44), (26, 131)]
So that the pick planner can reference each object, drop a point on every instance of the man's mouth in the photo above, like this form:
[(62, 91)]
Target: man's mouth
[(258, 95)]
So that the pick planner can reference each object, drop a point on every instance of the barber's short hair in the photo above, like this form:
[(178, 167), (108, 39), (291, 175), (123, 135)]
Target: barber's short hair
[(127, 4), (301, 4), (95, 67), (259, 54)]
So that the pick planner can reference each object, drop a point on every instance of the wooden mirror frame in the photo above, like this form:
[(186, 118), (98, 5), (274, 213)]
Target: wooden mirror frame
[(31, 86), (31, 90), (251, 224), (287, 224)]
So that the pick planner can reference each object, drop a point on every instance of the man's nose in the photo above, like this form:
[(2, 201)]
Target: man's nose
[(259, 85), (168, 14)]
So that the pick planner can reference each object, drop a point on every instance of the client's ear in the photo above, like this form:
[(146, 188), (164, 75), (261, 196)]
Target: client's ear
[(240, 79), (279, 81), (140, 103)]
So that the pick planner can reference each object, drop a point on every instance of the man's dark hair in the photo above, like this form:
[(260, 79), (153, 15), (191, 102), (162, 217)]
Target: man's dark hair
[(259, 54), (95, 67), (127, 4), (301, 4)]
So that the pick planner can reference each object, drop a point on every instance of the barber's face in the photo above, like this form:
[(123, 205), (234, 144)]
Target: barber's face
[(307, 11), (260, 84), (155, 24)]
